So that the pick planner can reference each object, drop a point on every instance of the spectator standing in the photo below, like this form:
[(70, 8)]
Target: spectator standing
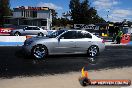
[(119, 36)]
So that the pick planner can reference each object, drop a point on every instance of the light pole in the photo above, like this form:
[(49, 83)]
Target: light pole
[(108, 16), (108, 21)]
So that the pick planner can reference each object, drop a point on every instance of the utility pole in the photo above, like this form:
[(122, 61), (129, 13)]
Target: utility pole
[(108, 21)]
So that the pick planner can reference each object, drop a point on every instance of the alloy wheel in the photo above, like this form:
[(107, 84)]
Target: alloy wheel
[(39, 52), (93, 50), (17, 34)]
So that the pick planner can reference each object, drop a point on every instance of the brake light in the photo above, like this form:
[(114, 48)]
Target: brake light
[(103, 41)]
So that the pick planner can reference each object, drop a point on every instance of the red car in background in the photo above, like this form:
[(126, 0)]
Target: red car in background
[(5, 31)]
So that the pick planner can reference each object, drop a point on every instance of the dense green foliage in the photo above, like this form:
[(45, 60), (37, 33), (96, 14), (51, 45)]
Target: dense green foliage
[(4, 10), (82, 13)]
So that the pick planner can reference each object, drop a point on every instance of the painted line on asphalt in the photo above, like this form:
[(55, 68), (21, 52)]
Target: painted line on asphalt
[(130, 43), (11, 43)]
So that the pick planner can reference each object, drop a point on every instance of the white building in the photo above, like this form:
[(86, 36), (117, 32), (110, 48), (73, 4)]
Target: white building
[(30, 16)]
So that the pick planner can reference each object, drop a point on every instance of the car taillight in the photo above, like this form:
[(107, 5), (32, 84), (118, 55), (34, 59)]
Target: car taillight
[(103, 41)]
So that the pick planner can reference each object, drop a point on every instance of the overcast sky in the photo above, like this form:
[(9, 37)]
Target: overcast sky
[(110, 10)]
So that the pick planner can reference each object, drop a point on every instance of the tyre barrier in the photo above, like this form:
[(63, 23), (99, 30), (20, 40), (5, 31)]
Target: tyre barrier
[(125, 39), (28, 36)]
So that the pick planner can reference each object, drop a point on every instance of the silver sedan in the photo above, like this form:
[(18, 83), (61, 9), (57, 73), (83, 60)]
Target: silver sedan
[(64, 42), (30, 30)]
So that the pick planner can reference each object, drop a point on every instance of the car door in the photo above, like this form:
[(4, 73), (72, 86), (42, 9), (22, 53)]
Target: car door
[(83, 41), (66, 43), (35, 31), (27, 31)]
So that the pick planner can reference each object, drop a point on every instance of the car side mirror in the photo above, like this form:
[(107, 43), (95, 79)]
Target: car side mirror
[(60, 38)]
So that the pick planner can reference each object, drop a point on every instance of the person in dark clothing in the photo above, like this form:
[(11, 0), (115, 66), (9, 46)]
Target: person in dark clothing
[(114, 37), (119, 36)]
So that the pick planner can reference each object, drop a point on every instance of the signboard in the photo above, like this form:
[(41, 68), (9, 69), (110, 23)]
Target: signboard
[(32, 8), (4, 31), (86, 27)]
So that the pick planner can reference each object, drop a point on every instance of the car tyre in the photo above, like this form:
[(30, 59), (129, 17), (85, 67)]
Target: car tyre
[(93, 51), (39, 52), (40, 34), (17, 33)]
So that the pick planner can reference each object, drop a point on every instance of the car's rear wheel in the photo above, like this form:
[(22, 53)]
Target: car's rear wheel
[(17, 33), (39, 52), (93, 51)]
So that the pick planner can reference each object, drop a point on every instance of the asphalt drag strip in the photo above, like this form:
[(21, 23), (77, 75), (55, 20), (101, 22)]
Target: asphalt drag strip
[(13, 63)]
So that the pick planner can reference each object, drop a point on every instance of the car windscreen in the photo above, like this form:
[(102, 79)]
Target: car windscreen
[(56, 33)]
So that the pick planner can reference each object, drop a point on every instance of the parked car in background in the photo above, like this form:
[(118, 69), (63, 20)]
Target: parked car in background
[(30, 30), (64, 42)]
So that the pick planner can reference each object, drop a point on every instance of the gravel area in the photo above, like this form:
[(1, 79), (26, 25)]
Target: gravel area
[(67, 80)]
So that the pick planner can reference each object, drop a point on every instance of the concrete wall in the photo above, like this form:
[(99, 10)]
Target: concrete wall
[(12, 40)]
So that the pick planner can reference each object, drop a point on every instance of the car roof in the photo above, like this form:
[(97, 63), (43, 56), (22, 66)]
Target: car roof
[(75, 30), (32, 26), (70, 29)]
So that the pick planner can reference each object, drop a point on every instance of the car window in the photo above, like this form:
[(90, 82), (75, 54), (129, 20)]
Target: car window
[(81, 34), (69, 35), (35, 28), (55, 34), (28, 28)]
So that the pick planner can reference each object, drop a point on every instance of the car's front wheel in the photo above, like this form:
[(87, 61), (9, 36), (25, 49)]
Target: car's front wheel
[(93, 51), (39, 52)]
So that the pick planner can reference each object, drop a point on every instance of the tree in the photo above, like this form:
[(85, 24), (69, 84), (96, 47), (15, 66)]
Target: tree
[(54, 13), (85, 16), (75, 10), (94, 17), (66, 14), (4, 10), (54, 17), (63, 21), (82, 13)]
